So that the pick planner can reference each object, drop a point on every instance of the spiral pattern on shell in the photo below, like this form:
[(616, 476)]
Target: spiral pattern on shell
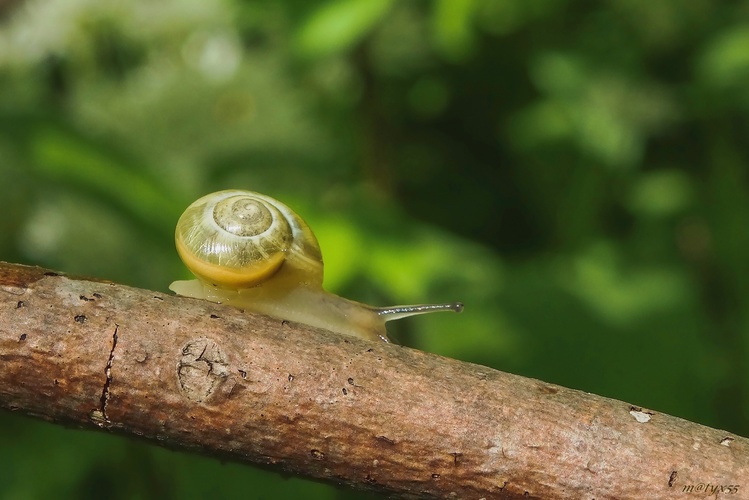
[(236, 239)]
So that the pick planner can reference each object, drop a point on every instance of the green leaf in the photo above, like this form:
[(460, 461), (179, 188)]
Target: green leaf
[(338, 25), (725, 60), (452, 26), (64, 158)]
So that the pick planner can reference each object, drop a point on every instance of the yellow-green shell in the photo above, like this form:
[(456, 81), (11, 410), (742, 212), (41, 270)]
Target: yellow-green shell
[(238, 239)]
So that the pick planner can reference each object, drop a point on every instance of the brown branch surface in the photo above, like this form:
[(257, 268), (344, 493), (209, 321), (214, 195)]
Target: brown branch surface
[(214, 379)]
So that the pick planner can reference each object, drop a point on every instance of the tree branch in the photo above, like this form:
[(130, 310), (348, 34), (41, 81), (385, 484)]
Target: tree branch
[(209, 378)]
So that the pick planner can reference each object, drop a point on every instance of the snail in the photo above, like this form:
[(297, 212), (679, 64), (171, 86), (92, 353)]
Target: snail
[(253, 252)]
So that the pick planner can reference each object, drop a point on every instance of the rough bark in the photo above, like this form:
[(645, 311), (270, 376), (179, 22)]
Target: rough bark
[(213, 379)]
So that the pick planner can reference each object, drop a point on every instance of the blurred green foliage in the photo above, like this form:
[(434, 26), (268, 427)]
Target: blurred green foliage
[(572, 171)]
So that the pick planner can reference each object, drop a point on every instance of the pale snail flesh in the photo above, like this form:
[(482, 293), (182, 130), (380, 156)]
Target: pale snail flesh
[(251, 251)]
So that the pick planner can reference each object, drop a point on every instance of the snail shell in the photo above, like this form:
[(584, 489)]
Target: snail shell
[(252, 251)]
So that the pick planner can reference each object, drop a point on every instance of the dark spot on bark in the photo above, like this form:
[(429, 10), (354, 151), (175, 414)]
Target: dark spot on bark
[(639, 409), (370, 350), (291, 377), (80, 318), (672, 478), (22, 337), (350, 381), (242, 374), (213, 316), (435, 476), (51, 273), (455, 457), (84, 298), (20, 304), (317, 454), (526, 494), (284, 322), (158, 298), (345, 392), (369, 479), (57, 382), (385, 439), (97, 295)]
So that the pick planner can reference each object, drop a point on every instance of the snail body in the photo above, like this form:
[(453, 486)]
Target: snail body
[(251, 251)]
